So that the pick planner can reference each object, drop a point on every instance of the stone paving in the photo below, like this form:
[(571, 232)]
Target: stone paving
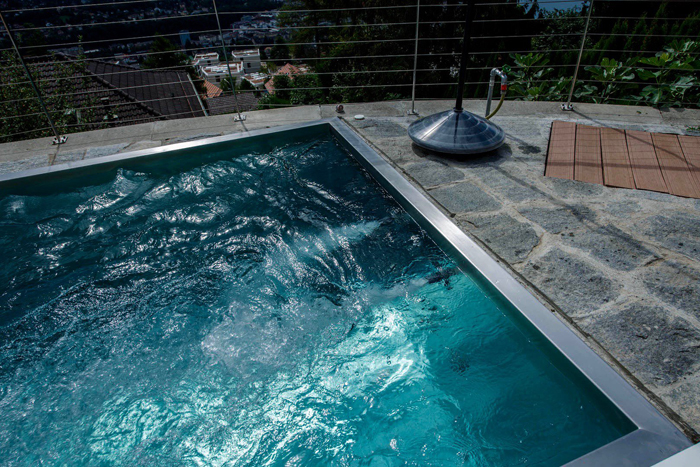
[(621, 267)]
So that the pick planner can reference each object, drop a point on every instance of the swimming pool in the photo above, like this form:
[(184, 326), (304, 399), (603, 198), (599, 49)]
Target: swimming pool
[(262, 300)]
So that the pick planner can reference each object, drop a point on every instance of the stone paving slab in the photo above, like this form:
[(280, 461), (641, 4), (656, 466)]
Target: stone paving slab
[(464, 197), (69, 156), (509, 238), (429, 174), (102, 151), (572, 281), (663, 347), (27, 163), (10, 152)]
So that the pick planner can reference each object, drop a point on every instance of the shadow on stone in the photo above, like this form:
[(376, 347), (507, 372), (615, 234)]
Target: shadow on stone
[(492, 158)]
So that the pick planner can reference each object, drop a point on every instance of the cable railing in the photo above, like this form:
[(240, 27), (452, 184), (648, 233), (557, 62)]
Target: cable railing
[(581, 52)]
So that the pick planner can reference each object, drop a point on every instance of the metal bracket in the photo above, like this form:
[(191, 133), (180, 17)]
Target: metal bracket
[(239, 118), (412, 112), (567, 107), (59, 139)]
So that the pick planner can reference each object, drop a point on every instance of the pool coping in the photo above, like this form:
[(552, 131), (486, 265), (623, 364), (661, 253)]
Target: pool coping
[(655, 438)]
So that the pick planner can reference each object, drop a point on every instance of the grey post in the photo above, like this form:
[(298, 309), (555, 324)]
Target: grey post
[(239, 117), (568, 105), (415, 64), (58, 139)]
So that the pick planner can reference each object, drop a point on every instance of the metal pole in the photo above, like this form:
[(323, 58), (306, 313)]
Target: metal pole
[(415, 64), (239, 117), (199, 99), (58, 139), (465, 55), (568, 105)]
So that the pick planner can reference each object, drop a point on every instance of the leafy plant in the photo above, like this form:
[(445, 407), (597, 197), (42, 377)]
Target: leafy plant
[(283, 84), (271, 101), (559, 91), (611, 76), (307, 90), (529, 76), (164, 54), (673, 72), (24, 117)]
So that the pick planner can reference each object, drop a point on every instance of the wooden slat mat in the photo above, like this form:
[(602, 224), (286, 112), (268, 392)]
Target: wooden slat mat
[(626, 159)]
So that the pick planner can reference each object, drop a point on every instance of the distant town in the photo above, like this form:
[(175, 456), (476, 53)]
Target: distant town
[(119, 70)]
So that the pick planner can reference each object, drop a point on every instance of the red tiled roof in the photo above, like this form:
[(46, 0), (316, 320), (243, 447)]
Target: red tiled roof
[(289, 70), (212, 90)]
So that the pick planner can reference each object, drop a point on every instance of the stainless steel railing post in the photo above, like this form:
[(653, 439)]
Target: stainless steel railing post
[(415, 64), (239, 117), (568, 105), (58, 139)]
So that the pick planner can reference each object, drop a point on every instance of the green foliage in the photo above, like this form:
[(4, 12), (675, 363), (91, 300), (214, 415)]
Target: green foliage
[(271, 101), (562, 31), (19, 103), (306, 90), (245, 85), (348, 87), (673, 72), (530, 76), (32, 39), (242, 85), (610, 77), (164, 54), (282, 84), (279, 51)]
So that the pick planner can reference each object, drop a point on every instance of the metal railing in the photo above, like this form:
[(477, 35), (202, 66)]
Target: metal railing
[(592, 52)]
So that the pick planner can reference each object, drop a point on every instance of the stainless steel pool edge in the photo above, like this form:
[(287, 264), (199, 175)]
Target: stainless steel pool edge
[(9, 178), (655, 438)]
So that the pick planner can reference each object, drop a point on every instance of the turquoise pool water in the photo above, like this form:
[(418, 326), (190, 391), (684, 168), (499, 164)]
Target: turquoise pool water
[(273, 307)]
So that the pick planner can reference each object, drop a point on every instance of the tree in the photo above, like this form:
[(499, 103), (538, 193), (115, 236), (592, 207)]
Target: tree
[(243, 85), (283, 84), (32, 39), (306, 90), (364, 51), (70, 110), (280, 51), (164, 54)]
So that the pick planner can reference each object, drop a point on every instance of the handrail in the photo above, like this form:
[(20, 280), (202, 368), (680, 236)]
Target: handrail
[(410, 50)]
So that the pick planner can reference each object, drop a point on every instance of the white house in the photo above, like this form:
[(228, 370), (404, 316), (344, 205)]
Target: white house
[(256, 79), (249, 58), (215, 74), (202, 60)]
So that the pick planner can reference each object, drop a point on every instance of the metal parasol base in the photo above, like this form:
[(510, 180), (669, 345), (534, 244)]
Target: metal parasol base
[(456, 132)]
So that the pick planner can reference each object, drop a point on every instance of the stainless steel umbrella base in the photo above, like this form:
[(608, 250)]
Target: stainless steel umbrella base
[(456, 132)]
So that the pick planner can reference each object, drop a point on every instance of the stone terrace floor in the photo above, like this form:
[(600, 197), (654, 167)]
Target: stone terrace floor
[(621, 267)]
